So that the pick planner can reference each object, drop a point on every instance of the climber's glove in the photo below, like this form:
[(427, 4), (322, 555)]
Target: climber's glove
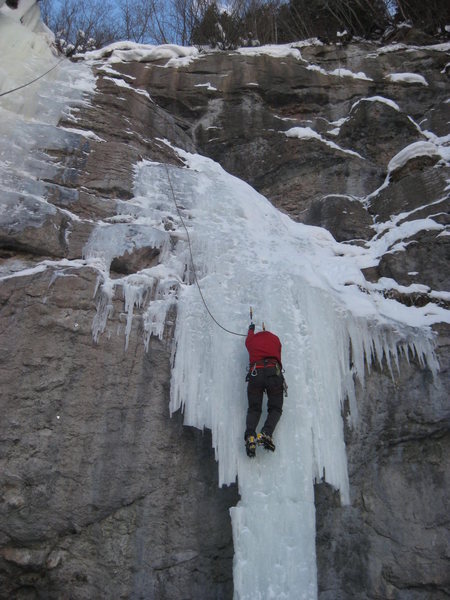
[(251, 327)]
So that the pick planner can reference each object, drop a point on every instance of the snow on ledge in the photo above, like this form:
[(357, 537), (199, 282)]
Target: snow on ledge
[(416, 149), (393, 238), (348, 73), (407, 78), (276, 51), (380, 99), (124, 84), (133, 52), (339, 73), (306, 133), (412, 151), (208, 86), (395, 47), (90, 135)]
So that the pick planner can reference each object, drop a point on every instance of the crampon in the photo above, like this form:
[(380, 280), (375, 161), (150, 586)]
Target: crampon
[(250, 446), (266, 441)]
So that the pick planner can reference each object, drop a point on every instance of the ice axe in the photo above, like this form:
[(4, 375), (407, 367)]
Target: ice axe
[(251, 319)]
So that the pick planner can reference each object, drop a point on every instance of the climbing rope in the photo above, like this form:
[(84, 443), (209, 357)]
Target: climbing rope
[(192, 259), (33, 80)]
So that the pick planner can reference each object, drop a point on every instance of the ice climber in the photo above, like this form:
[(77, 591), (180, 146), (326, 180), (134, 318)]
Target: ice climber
[(264, 375)]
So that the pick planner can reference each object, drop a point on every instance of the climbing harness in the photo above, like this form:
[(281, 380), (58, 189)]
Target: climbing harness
[(33, 80), (192, 260), (267, 363)]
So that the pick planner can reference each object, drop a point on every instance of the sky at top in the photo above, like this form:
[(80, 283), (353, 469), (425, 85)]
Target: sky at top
[(165, 28), (107, 16)]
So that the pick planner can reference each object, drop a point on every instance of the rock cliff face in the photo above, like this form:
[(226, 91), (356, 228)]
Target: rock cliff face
[(105, 496)]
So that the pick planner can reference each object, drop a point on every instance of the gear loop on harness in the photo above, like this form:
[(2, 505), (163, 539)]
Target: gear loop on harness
[(279, 370)]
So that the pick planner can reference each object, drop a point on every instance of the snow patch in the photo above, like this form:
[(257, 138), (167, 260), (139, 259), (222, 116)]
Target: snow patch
[(389, 241), (407, 78), (133, 52), (110, 71), (276, 51), (124, 84), (317, 68), (207, 85), (90, 135), (339, 72), (398, 47), (380, 99), (414, 150), (306, 133), (348, 73)]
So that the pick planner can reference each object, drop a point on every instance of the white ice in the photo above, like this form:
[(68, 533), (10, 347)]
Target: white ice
[(306, 287), (28, 116), (28, 16)]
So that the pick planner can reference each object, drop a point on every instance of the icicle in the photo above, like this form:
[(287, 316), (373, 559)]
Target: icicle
[(134, 293), (104, 308)]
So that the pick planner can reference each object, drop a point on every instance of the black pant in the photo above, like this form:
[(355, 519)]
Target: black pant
[(270, 380)]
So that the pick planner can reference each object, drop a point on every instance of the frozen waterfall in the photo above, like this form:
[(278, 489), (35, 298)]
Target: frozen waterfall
[(306, 288)]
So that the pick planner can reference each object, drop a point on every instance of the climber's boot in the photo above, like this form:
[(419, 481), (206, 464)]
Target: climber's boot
[(250, 446), (265, 440)]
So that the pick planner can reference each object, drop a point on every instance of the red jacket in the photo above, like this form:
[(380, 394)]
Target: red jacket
[(263, 345)]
